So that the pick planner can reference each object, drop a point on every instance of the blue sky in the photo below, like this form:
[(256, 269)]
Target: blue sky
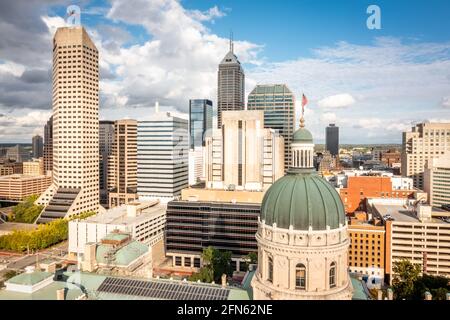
[(373, 83)]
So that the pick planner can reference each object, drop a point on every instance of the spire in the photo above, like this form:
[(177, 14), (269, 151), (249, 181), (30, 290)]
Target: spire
[(231, 41)]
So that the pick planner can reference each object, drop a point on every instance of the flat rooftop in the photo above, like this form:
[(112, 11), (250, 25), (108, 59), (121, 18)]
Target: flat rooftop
[(8, 227), (402, 213), (100, 287), (118, 215), (220, 195)]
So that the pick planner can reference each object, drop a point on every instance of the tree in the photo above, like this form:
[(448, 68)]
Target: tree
[(406, 275), (26, 211), (215, 263)]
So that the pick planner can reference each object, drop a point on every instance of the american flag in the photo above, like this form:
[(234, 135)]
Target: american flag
[(304, 103)]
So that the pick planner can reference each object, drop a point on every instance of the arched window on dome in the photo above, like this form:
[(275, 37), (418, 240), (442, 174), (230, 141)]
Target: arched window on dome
[(332, 275), (270, 269), (300, 276)]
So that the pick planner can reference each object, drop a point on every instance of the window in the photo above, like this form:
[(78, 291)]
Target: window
[(300, 276), (333, 275), (270, 269)]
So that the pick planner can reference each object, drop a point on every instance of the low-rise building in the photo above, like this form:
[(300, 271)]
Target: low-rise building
[(16, 187), (118, 254), (34, 167), (144, 221), (225, 220), (416, 233), (366, 251), (360, 188)]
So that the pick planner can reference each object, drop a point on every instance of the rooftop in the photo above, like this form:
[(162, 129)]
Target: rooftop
[(102, 287), (220, 195), (118, 215), (122, 257), (401, 213), (31, 278)]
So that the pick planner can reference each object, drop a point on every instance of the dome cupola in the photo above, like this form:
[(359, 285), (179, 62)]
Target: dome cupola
[(302, 199)]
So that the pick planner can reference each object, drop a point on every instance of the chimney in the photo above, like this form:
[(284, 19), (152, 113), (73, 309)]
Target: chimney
[(428, 296), (224, 280), (60, 294)]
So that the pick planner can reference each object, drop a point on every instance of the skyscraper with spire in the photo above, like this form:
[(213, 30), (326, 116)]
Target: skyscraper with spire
[(231, 84)]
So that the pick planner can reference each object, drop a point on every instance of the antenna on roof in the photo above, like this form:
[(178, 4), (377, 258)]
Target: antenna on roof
[(231, 41)]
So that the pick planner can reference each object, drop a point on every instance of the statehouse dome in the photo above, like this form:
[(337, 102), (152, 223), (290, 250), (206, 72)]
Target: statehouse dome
[(302, 199), (302, 135)]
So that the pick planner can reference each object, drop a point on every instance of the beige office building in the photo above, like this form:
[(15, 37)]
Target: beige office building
[(437, 180), (415, 234), (75, 187), (243, 153), (122, 164), (34, 168), (425, 142), (16, 187)]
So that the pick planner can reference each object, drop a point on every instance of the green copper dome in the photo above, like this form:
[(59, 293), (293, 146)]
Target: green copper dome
[(302, 135), (302, 199)]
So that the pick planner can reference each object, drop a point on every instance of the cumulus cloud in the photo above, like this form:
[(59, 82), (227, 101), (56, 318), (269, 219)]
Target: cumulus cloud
[(178, 63), (337, 101), (446, 102), (208, 15), (328, 117)]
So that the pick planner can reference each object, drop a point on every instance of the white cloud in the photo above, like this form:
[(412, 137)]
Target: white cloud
[(446, 102), (178, 63), (53, 23), (12, 68), (337, 101), (207, 15), (328, 117)]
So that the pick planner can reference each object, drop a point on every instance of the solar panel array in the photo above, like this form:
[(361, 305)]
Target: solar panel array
[(163, 290)]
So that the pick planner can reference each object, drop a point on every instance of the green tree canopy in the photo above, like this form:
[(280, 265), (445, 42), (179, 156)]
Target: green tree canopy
[(26, 211), (406, 274), (215, 263), (408, 284)]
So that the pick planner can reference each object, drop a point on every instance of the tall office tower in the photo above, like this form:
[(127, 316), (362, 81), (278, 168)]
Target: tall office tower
[(162, 156), (278, 104), (244, 154), (75, 187), (106, 141), (425, 142), (231, 85), (437, 180), (48, 146), (332, 139), (37, 146), (122, 164), (200, 121)]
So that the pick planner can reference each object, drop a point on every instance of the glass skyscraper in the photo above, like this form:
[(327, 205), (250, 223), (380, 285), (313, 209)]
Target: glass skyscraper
[(278, 104), (200, 120)]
